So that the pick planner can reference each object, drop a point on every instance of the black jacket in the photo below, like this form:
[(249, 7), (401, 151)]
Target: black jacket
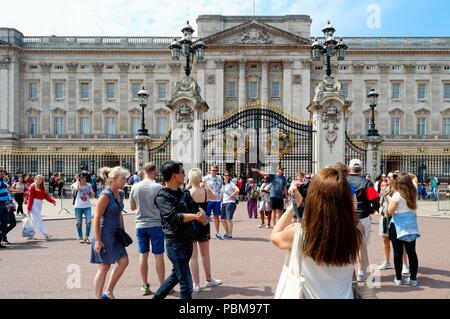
[(172, 205)]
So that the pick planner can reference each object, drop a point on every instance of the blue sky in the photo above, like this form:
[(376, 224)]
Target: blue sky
[(167, 17)]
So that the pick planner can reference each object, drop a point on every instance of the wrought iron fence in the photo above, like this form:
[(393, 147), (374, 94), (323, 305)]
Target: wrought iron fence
[(425, 165), (353, 151)]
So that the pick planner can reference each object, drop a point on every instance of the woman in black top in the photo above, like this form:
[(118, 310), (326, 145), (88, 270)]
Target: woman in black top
[(201, 193)]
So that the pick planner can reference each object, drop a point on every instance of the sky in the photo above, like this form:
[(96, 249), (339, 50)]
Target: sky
[(167, 17)]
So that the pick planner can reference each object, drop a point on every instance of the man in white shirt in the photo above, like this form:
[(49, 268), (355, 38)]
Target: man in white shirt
[(215, 182)]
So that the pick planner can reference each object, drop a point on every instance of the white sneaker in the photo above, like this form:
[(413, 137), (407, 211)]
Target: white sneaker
[(385, 266), (213, 282), (48, 237), (397, 282), (405, 270), (360, 276), (196, 288), (409, 281)]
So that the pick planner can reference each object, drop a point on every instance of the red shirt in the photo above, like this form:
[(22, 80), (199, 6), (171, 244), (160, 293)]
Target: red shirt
[(38, 194)]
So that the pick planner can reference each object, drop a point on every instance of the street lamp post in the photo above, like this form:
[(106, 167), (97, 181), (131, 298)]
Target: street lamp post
[(330, 48), (143, 96), (187, 48), (373, 101)]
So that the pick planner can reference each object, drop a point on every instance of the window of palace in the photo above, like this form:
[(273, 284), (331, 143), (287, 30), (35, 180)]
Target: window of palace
[(231, 89), (32, 125), (395, 125), (85, 125), (421, 125)]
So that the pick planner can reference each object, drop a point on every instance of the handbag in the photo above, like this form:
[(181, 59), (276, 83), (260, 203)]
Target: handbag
[(291, 282), (123, 238)]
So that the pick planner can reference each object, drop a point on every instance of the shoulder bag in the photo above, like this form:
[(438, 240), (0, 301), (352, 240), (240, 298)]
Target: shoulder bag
[(291, 282)]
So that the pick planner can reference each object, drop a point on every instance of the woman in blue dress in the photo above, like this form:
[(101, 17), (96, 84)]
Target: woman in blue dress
[(105, 249)]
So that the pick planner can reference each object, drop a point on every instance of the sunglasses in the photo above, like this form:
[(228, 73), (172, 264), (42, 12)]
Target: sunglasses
[(213, 170), (181, 172)]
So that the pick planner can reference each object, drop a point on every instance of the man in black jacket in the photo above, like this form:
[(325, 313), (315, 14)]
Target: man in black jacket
[(368, 202), (177, 210)]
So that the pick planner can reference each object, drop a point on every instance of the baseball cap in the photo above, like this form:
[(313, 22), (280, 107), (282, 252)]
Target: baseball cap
[(354, 163)]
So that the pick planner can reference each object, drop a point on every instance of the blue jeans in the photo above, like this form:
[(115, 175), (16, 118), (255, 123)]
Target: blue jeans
[(179, 254), (87, 216)]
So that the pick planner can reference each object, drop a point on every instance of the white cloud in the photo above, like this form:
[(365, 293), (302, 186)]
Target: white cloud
[(161, 17)]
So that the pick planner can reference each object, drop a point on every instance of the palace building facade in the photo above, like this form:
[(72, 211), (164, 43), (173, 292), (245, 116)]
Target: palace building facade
[(67, 101)]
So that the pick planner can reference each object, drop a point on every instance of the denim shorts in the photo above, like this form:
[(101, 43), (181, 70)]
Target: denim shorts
[(228, 210), (153, 235)]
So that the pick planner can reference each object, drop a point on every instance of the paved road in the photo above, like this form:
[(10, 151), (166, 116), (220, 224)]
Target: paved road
[(249, 265)]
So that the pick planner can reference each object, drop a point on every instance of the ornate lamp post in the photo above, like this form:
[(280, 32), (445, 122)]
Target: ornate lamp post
[(373, 101), (143, 96), (187, 48), (330, 48)]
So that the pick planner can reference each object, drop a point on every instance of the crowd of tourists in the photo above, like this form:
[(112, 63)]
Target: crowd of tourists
[(324, 220)]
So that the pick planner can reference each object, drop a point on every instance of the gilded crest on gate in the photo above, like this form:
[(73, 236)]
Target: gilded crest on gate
[(280, 142)]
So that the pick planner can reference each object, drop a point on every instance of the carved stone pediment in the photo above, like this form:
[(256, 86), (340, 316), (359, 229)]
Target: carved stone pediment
[(255, 33), (110, 110)]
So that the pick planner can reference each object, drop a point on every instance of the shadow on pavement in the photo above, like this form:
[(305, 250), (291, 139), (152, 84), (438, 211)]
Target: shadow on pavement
[(225, 291), (32, 244)]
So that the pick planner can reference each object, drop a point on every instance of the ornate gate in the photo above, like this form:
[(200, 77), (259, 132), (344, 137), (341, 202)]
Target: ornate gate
[(258, 137), (353, 151), (160, 154)]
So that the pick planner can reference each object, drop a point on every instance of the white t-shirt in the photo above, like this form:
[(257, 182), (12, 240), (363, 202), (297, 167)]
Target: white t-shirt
[(83, 196), (216, 184), (228, 189), (402, 205)]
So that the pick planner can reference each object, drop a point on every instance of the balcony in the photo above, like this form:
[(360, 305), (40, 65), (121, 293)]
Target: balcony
[(395, 42), (406, 137), (96, 42)]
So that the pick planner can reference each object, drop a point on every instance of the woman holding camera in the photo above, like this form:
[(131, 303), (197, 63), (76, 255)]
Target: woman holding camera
[(105, 249), (329, 237)]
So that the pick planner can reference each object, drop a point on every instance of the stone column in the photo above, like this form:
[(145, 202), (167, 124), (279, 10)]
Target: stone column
[(149, 85), (382, 119), (328, 109), (141, 148), (4, 100), (72, 100), (201, 69), (358, 91), (242, 83), (98, 98), (123, 97), (411, 98), (436, 98), (287, 85), (264, 81), (186, 117), (46, 98), (220, 77), (13, 95), (306, 89), (373, 144)]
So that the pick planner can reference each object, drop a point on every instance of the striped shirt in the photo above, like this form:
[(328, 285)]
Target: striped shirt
[(4, 193)]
